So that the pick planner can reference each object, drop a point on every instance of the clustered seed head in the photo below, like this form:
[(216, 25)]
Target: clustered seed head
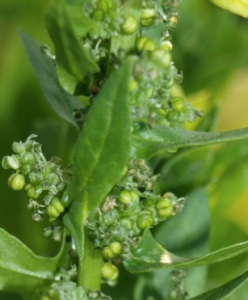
[(38, 178)]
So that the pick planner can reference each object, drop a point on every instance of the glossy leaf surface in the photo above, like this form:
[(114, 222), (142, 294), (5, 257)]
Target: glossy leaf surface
[(148, 256), (73, 61), (22, 271), (223, 291), (239, 7), (43, 66), (148, 143), (102, 150)]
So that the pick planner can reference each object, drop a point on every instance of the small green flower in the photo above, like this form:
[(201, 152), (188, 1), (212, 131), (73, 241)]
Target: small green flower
[(16, 182), (11, 162), (109, 271), (130, 25)]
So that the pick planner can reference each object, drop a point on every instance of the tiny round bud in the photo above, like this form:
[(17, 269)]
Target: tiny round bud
[(109, 271), (16, 182), (57, 204), (165, 212), (149, 46), (53, 178), (148, 202), (33, 192), (10, 162), (98, 15), (178, 104), (161, 56), (52, 211), (129, 25), (28, 158), (18, 147), (134, 196), (163, 203), (107, 253), (35, 177), (147, 16), (125, 197), (26, 169), (140, 43), (166, 45), (133, 85), (126, 223), (116, 248), (144, 220)]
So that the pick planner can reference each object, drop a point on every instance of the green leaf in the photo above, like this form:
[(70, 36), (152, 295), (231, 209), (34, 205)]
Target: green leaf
[(148, 256), (102, 150), (22, 271), (62, 103), (148, 143), (186, 170), (73, 62), (239, 7), (223, 291)]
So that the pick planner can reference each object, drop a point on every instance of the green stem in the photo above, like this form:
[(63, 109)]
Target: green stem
[(89, 274)]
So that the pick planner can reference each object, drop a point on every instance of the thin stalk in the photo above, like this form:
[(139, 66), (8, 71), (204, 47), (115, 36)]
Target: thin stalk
[(89, 273)]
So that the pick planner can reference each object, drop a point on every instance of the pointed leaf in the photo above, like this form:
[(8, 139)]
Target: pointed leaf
[(102, 150), (62, 103), (72, 60), (239, 7), (148, 256), (22, 271), (148, 143), (223, 291)]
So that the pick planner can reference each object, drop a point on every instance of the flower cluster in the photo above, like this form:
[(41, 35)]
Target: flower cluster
[(39, 178)]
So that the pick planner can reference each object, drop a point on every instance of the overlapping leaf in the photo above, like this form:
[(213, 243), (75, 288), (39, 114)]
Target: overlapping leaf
[(148, 143), (73, 61), (62, 103), (223, 291), (22, 271), (239, 7), (148, 256), (101, 152)]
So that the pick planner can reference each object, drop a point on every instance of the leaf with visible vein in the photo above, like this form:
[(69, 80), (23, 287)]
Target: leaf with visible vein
[(101, 152), (147, 143), (148, 256), (22, 271), (223, 291), (61, 102)]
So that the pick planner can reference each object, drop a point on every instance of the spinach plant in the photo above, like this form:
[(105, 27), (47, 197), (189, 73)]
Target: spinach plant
[(114, 209)]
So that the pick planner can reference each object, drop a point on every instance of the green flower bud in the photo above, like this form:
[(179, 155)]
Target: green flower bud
[(98, 15), (144, 220), (26, 169), (16, 182), (161, 56), (65, 201), (52, 211), (57, 205), (178, 104), (18, 147), (107, 253), (163, 203), (144, 44), (148, 202), (109, 271), (51, 220), (10, 162), (33, 192), (35, 177), (165, 212), (125, 197), (166, 45), (133, 85), (147, 16), (130, 25), (134, 196), (126, 223), (116, 248), (28, 158), (53, 178)]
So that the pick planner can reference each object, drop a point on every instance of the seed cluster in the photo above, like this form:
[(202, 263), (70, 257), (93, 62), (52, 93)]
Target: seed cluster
[(39, 178)]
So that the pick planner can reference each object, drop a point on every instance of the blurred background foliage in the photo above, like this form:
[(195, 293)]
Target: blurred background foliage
[(210, 47)]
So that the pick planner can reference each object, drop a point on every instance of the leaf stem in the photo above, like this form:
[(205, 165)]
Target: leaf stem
[(89, 274)]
